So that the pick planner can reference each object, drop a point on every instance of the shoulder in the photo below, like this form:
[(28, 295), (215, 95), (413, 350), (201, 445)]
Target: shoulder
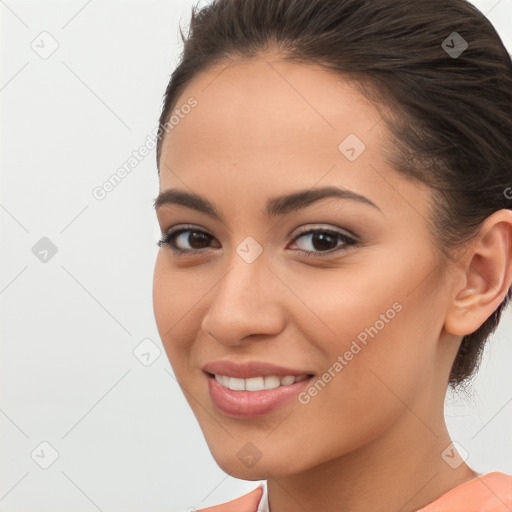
[(491, 492), (247, 503)]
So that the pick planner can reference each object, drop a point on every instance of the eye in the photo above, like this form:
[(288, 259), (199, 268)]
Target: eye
[(322, 241), (178, 239)]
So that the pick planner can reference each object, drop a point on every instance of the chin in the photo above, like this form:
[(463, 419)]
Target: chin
[(244, 461), (251, 474)]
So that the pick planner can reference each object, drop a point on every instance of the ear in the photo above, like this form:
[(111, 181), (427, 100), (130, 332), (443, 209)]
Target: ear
[(485, 275)]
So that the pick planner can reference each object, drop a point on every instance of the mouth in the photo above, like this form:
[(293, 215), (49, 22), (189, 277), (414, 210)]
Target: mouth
[(253, 397)]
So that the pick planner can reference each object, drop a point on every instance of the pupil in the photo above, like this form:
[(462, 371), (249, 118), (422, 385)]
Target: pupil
[(323, 240)]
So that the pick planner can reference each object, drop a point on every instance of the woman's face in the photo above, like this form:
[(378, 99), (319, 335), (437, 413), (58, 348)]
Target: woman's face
[(363, 316)]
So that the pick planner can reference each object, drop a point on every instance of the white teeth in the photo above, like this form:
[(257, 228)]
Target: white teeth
[(257, 383), (237, 384), (271, 382), (289, 379), (222, 379), (254, 384)]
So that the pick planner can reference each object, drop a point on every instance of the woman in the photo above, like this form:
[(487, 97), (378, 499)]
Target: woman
[(336, 245)]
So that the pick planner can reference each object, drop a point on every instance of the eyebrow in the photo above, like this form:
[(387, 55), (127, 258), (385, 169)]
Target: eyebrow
[(280, 205)]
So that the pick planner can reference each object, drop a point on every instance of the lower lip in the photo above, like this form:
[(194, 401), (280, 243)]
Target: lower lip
[(250, 404)]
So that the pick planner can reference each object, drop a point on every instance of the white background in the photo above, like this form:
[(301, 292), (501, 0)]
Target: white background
[(125, 436)]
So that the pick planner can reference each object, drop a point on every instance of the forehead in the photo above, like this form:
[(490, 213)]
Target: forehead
[(252, 111)]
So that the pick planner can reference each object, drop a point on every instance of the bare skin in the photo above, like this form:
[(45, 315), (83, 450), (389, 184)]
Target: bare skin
[(372, 438)]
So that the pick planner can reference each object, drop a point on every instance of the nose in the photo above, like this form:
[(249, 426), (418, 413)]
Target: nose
[(245, 304)]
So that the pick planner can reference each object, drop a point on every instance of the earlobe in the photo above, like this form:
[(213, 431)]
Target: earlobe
[(486, 276)]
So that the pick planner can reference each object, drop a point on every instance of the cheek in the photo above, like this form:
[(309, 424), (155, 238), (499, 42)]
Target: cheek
[(162, 293), (347, 304), (173, 298), (374, 336), (172, 306)]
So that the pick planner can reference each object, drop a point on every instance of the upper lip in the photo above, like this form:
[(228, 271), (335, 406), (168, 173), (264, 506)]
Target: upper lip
[(250, 369)]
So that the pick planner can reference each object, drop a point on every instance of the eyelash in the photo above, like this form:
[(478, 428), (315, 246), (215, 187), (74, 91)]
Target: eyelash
[(169, 240)]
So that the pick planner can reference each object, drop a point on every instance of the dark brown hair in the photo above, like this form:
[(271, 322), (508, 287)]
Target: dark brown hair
[(450, 113)]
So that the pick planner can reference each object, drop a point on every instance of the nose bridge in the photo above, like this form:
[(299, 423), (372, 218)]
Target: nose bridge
[(243, 302)]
